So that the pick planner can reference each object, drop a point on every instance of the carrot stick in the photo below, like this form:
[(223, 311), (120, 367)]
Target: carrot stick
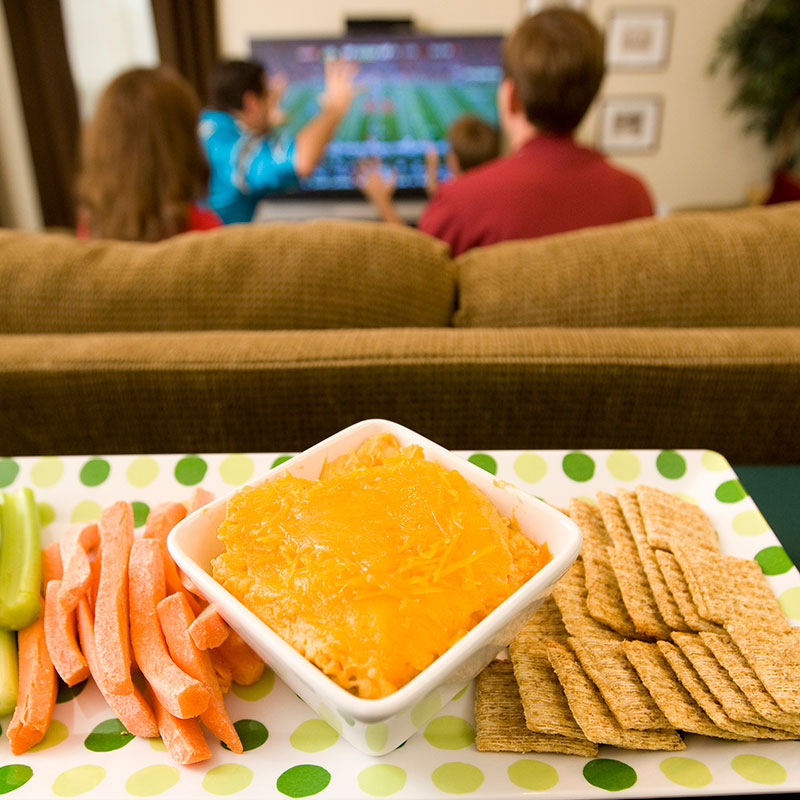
[(222, 670), (111, 627), (160, 521), (200, 497), (179, 693), (76, 542), (132, 709), (209, 629), (176, 617), (62, 644), (37, 689), (183, 738), (245, 665), (51, 563)]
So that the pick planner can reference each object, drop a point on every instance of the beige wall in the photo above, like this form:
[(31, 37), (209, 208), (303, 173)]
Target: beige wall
[(703, 158)]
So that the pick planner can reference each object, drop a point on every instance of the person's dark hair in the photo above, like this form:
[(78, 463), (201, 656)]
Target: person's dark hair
[(142, 163), (473, 141), (231, 79), (556, 61)]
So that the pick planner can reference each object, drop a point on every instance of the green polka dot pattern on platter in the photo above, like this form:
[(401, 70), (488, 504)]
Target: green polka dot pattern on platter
[(749, 523), (715, 462), (578, 466), (425, 709), (730, 492), (688, 772), (12, 776), (190, 470), (670, 464), (236, 469), (449, 733), (376, 736), (47, 472), (279, 460), (609, 774), (312, 736), (258, 690), (624, 465), (9, 469), (381, 780), (152, 780), (56, 733), (95, 471), (790, 602), (533, 775), (86, 511), (530, 467), (46, 514), (140, 512), (303, 780), (108, 735), (78, 780), (457, 777), (484, 461), (252, 733), (227, 779), (142, 471), (773, 560), (758, 769)]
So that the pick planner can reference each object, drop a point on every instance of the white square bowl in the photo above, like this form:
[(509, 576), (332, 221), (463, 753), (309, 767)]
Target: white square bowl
[(378, 726)]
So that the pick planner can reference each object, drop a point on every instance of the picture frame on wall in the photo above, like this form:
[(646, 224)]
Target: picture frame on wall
[(638, 38), (630, 125), (535, 6)]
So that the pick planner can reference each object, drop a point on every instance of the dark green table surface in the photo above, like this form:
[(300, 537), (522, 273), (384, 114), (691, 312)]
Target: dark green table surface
[(776, 492)]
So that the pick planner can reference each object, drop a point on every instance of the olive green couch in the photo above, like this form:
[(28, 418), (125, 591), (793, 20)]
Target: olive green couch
[(679, 332)]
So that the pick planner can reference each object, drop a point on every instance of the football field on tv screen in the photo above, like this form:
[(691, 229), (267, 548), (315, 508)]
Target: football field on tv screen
[(387, 112)]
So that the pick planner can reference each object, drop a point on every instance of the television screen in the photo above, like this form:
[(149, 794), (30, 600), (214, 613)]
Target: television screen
[(412, 88)]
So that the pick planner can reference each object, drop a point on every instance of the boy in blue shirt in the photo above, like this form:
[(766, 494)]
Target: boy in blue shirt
[(246, 164)]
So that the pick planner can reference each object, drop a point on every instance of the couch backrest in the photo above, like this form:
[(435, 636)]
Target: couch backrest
[(320, 274), (699, 269)]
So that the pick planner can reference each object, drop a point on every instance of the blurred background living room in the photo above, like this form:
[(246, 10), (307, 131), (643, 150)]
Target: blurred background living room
[(663, 111)]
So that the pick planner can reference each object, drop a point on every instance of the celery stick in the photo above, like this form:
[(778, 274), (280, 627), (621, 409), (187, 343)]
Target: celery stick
[(9, 677), (20, 561)]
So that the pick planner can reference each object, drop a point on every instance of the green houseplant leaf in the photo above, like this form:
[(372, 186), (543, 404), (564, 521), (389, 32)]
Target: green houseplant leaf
[(761, 46)]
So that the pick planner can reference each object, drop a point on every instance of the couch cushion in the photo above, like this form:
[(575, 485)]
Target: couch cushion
[(320, 274), (699, 269)]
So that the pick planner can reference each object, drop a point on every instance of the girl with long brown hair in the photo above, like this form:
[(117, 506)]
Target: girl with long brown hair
[(143, 168)]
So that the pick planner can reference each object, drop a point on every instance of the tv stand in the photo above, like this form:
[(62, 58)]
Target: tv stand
[(298, 210)]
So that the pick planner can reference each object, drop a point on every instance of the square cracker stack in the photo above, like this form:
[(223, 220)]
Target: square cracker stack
[(652, 633)]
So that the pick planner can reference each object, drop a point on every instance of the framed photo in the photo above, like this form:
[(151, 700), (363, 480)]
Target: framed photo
[(535, 6), (638, 38), (630, 125)]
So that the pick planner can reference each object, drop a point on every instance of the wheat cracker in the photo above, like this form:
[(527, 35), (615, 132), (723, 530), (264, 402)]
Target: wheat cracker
[(619, 684), (700, 692), (731, 658), (774, 657), (667, 517), (570, 597), (500, 721), (664, 600), (671, 697), (594, 715), (679, 588), (624, 559), (603, 598)]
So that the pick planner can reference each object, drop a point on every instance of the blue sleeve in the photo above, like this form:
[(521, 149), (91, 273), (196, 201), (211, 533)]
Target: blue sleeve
[(269, 166)]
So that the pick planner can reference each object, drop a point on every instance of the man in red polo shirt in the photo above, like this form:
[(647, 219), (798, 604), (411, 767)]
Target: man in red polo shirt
[(553, 65)]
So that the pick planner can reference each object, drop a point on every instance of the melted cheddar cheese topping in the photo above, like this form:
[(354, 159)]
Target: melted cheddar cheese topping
[(374, 570)]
